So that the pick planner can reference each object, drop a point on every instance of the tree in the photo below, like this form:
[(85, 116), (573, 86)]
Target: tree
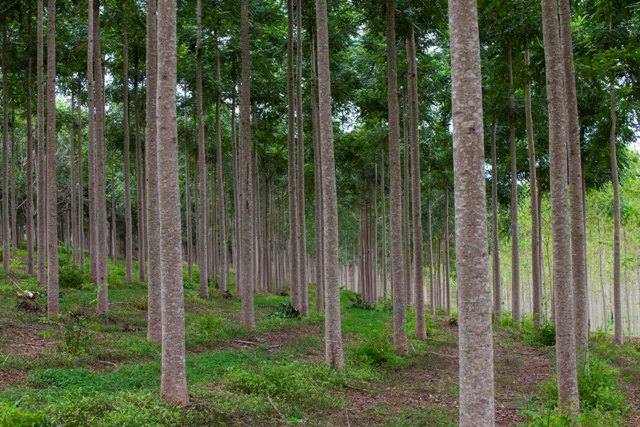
[(222, 206), (474, 294), (618, 335), (6, 238), (332, 324), (515, 242), (127, 166), (173, 385), (246, 183), (53, 303), (41, 156), (562, 273), (395, 193), (29, 179)]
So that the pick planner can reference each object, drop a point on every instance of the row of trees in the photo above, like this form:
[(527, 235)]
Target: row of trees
[(248, 190)]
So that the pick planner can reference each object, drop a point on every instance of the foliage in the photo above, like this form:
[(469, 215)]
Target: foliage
[(74, 333), (285, 310), (14, 416), (358, 302), (545, 335), (375, 349), (70, 277)]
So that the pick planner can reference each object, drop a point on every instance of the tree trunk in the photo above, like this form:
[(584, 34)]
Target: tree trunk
[(29, 178), (222, 206), (395, 196), (515, 241), (6, 238), (41, 156), (562, 274), (406, 238), (152, 231), (72, 188), (416, 190), (384, 232), (53, 303), (187, 194), (173, 385), (618, 336), (91, 144), (128, 247), (476, 342), (139, 180), (246, 192), (12, 181), (80, 189), (535, 219), (497, 277)]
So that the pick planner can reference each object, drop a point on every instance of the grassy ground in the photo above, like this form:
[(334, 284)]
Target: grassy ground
[(101, 371)]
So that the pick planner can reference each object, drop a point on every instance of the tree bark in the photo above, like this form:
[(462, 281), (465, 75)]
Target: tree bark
[(187, 194), (139, 180), (618, 336), (497, 276), (173, 386), (222, 206), (416, 190), (333, 329), (6, 238), (73, 182), (562, 270), (395, 192), (41, 156), (91, 145), (128, 247), (29, 178), (515, 241), (80, 189), (12, 181), (476, 341)]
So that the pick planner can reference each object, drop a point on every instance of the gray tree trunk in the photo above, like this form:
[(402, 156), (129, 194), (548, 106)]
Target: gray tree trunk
[(139, 181), (476, 340), (515, 241), (618, 336), (41, 156), (6, 238), (29, 178), (497, 276), (128, 246), (222, 206)]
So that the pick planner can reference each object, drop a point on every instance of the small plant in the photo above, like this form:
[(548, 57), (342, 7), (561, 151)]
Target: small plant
[(13, 416), (358, 302), (285, 310), (545, 335), (375, 349), (71, 277), (73, 332)]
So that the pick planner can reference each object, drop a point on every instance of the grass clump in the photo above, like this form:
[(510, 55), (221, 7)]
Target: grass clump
[(375, 349), (358, 302), (14, 416), (285, 310), (70, 277), (544, 336)]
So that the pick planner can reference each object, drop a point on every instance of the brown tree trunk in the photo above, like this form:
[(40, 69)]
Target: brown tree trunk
[(6, 238), (416, 190), (53, 303), (222, 206), (187, 195), (476, 341), (73, 189), (12, 181), (562, 274), (41, 156), (91, 145), (395, 196), (497, 276), (618, 336), (246, 192), (173, 386), (128, 246), (406, 217), (139, 180), (384, 232), (29, 178), (333, 329), (152, 231)]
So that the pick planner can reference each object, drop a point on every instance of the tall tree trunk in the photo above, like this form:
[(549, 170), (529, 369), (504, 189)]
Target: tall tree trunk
[(53, 303), (91, 145), (447, 246), (80, 189), (476, 341), (618, 336), (173, 385), (246, 193), (395, 196), (578, 226), (302, 226), (497, 276), (72, 170), (432, 299), (416, 190), (222, 206), (41, 156), (152, 231), (406, 228), (535, 219), (113, 222), (384, 232), (29, 178), (203, 257), (128, 246), (139, 180), (100, 169), (6, 238), (12, 181), (333, 329), (515, 241), (187, 194), (562, 275)]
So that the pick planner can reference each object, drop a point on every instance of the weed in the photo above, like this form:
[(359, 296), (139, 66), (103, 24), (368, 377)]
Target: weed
[(285, 311), (358, 302), (375, 349)]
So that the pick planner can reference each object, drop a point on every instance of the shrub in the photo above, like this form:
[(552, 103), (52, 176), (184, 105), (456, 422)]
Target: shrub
[(358, 302), (545, 335), (375, 349), (70, 276), (74, 333), (13, 416), (285, 310)]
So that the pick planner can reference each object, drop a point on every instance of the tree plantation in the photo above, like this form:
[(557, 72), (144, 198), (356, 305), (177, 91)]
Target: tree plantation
[(332, 213)]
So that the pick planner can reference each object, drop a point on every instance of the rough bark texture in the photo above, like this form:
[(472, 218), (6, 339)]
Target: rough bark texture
[(332, 325), (6, 238), (476, 342), (203, 257), (535, 219), (154, 328), (416, 191), (562, 277), (246, 184), (497, 276), (53, 303), (395, 193), (618, 336), (515, 241), (41, 156), (578, 227), (128, 246), (173, 386)]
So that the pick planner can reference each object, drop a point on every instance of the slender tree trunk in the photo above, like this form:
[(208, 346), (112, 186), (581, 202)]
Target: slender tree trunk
[(93, 257), (406, 228), (128, 226), (384, 232), (432, 298), (535, 219), (12, 180), (497, 277), (476, 341), (72, 171), (562, 273), (222, 206), (302, 226), (618, 336), (152, 231), (173, 386), (29, 178), (139, 180), (187, 195), (53, 303), (333, 329), (100, 169), (395, 196), (114, 249), (202, 163), (80, 189), (6, 238), (246, 193), (516, 311), (447, 246), (41, 156), (416, 190)]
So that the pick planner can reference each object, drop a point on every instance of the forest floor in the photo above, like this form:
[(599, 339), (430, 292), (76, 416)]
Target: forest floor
[(83, 369)]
